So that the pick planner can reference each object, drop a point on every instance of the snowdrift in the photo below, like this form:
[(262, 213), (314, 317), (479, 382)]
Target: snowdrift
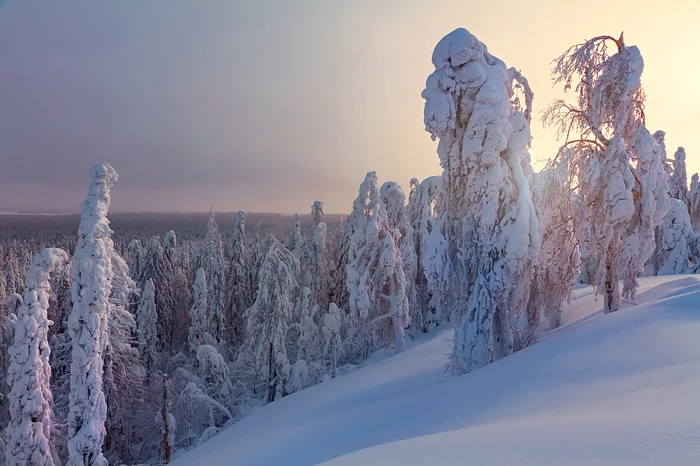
[(620, 389)]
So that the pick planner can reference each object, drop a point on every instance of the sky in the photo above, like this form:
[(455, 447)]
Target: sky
[(269, 105)]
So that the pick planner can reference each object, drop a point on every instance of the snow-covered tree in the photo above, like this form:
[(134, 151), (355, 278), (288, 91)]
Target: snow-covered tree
[(333, 343), (487, 217), (346, 252), (267, 322), (210, 257), (59, 303), (315, 268), (618, 165), (213, 371), (317, 214), (294, 238), (652, 203), (694, 202), (375, 276), (159, 268), (430, 248), (87, 324), (660, 138), (123, 373), (394, 201), (30, 399), (558, 265), (676, 242), (238, 292), (256, 256), (198, 411), (678, 182), (309, 342), (147, 323), (181, 303), (137, 262), (199, 323), (170, 248)]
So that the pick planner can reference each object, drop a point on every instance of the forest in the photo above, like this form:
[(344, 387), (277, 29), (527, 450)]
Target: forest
[(136, 346)]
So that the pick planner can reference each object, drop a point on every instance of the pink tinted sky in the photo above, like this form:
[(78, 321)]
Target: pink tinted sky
[(269, 105)]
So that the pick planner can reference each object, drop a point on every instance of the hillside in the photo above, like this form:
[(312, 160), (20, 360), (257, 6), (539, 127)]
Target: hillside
[(619, 389)]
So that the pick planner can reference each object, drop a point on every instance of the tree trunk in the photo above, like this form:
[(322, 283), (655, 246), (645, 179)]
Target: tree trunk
[(396, 321), (166, 441), (271, 386), (612, 290), (399, 340)]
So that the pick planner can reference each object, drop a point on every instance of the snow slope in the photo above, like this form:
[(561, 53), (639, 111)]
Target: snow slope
[(620, 389)]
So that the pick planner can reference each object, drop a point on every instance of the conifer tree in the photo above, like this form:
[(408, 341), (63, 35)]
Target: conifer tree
[(87, 324), (31, 426)]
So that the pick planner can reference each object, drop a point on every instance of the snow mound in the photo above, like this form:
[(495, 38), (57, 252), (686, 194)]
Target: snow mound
[(619, 389)]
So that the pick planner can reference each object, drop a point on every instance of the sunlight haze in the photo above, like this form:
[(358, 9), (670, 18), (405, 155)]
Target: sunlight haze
[(267, 106)]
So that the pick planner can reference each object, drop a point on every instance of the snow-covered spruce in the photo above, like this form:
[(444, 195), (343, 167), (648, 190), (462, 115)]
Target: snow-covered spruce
[(660, 138), (314, 262), (430, 251), (676, 242), (123, 373), (210, 257), (333, 343), (678, 181), (199, 323), (294, 238), (346, 249), (30, 400), (87, 324), (147, 323), (213, 372), (394, 200), (238, 289), (694, 202), (375, 276), (652, 203), (267, 322), (488, 219), (309, 346)]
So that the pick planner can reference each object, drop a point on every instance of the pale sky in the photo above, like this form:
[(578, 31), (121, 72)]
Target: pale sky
[(269, 105)]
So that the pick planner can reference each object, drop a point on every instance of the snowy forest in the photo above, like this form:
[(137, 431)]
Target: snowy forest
[(137, 348)]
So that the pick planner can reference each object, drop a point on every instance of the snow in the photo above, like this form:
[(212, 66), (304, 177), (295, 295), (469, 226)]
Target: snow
[(616, 389)]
